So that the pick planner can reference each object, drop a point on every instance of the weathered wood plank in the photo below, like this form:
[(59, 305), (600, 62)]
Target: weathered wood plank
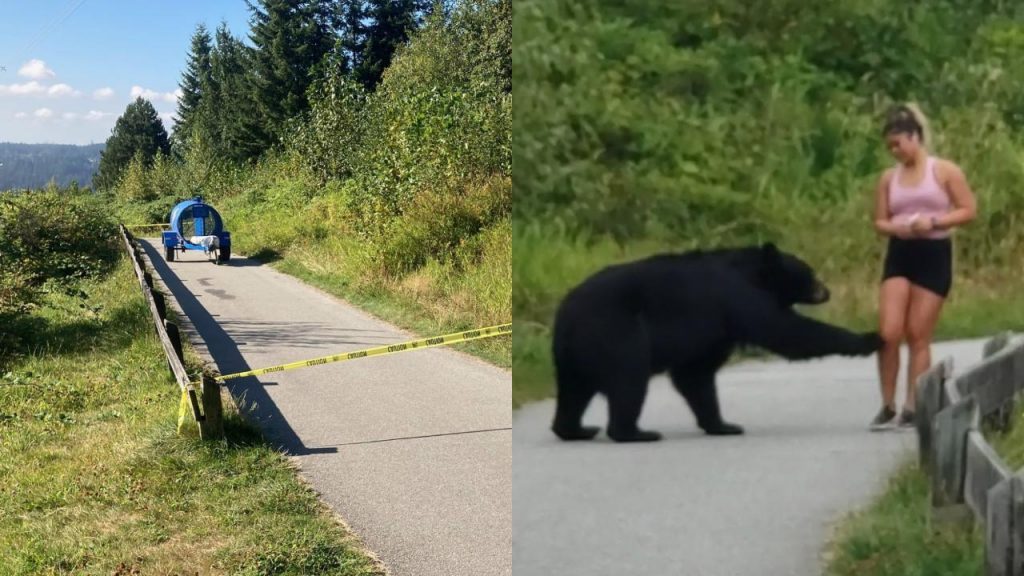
[(998, 530), (1017, 525), (212, 425), (994, 380), (984, 470), (176, 365), (950, 439), (996, 343), (928, 403)]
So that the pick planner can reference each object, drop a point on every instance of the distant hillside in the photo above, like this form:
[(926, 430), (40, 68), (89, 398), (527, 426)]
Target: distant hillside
[(33, 165)]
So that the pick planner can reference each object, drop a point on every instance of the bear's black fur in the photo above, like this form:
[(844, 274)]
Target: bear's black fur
[(683, 313)]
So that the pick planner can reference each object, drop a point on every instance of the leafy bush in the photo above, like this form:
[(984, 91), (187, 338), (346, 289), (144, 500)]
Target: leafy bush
[(49, 238), (678, 121)]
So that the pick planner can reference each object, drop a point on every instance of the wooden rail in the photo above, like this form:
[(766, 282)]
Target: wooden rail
[(205, 406), (968, 477)]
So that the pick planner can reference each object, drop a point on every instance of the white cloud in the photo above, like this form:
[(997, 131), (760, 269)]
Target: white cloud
[(36, 69), (154, 95), (62, 90), (97, 115), (69, 115), (103, 93), (20, 115), (32, 87), (43, 113)]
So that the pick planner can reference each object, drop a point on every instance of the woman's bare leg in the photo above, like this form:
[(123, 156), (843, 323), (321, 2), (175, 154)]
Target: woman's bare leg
[(922, 317), (894, 298)]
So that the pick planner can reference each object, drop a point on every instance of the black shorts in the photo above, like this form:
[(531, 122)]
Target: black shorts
[(927, 263)]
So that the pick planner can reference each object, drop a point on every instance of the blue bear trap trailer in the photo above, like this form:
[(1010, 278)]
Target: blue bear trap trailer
[(195, 225)]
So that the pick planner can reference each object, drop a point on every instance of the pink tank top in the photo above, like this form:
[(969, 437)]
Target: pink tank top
[(927, 199)]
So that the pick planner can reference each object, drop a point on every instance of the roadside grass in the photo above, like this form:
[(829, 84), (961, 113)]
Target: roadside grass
[(310, 239), (894, 537), (95, 480)]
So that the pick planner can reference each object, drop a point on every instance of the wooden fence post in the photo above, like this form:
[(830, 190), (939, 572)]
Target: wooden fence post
[(1017, 525), (950, 450), (212, 426), (999, 530), (995, 344), (929, 402)]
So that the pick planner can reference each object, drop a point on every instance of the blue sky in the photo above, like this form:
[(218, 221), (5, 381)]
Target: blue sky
[(71, 66)]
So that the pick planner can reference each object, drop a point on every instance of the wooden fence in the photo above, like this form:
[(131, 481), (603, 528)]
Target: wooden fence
[(205, 406), (968, 478)]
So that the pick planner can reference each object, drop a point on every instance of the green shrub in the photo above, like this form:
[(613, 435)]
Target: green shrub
[(48, 240)]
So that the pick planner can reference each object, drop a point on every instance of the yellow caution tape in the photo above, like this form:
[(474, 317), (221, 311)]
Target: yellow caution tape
[(466, 336), (161, 224)]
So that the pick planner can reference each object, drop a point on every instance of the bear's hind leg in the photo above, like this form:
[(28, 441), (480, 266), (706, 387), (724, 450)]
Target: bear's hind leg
[(698, 387), (572, 402), (625, 401)]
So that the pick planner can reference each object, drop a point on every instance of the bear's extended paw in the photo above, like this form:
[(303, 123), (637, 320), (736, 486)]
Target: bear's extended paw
[(577, 433), (870, 342), (723, 429), (634, 435)]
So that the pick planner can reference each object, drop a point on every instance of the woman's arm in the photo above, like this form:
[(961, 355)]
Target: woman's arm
[(960, 194), (964, 209), (883, 224)]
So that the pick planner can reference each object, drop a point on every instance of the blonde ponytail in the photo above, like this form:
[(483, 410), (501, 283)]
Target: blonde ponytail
[(908, 119), (922, 121)]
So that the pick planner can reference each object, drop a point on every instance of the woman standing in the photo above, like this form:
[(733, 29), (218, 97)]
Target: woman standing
[(918, 202)]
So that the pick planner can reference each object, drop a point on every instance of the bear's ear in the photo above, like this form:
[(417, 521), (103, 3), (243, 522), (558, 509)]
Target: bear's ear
[(769, 249)]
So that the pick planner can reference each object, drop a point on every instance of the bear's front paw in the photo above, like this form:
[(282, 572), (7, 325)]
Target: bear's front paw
[(870, 342), (635, 435), (575, 433), (723, 429)]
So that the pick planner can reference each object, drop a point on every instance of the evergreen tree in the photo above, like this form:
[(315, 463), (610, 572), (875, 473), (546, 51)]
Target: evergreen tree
[(195, 85), (291, 37), (351, 16), (233, 127), (138, 130), (391, 22)]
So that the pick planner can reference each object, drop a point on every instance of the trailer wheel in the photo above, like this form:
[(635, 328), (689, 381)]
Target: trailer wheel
[(169, 254), (224, 254)]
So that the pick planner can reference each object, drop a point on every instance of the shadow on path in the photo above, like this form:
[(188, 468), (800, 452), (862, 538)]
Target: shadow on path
[(249, 391)]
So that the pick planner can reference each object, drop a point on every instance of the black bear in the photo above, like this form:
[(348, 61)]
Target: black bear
[(683, 313)]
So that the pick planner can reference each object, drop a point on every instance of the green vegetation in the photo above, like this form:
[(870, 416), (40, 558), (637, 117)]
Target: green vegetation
[(396, 195), (378, 169), (895, 536), (51, 239), (657, 126), (138, 136), (93, 477)]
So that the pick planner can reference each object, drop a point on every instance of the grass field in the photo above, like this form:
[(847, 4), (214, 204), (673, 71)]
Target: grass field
[(95, 480)]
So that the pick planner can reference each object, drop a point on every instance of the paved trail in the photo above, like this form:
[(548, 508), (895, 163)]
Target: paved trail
[(413, 450), (692, 505)]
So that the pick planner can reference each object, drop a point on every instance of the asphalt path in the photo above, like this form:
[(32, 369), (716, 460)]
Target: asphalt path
[(412, 450), (762, 504)]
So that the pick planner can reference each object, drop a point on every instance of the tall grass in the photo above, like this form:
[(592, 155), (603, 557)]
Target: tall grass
[(94, 479)]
